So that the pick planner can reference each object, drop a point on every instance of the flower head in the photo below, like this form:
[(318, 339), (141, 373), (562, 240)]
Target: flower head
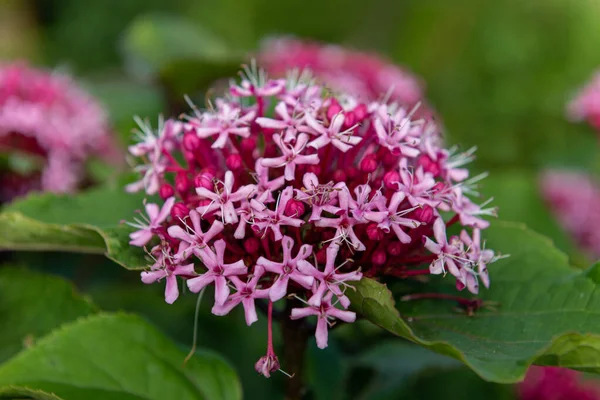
[(287, 191), (46, 116)]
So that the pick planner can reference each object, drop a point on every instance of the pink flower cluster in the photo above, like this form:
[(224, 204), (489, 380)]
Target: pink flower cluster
[(46, 115), (586, 104), (282, 190), (574, 198), (363, 75), (553, 383)]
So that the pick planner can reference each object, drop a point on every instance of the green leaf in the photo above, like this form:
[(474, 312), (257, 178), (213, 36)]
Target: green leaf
[(118, 356), (89, 222), (547, 311), (32, 304), (21, 393)]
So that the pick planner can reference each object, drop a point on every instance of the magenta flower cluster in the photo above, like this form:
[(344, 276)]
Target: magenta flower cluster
[(364, 75), (46, 115), (553, 383), (281, 189)]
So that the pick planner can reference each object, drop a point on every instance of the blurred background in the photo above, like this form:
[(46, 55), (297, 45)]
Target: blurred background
[(498, 73)]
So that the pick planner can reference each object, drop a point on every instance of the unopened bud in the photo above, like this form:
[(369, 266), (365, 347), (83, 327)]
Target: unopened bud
[(248, 144), (294, 208), (333, 109), (374, 233), (166, 191), (182, 183), (191, 141), (391, 179), (369, 164), (234, 162), (204, 180), (424, 214), (179, 211)]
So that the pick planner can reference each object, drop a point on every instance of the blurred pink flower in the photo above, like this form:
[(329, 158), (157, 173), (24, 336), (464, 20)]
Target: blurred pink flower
[(586, 104), (574, 198), (365, 76), (46, 115), (553, 383)]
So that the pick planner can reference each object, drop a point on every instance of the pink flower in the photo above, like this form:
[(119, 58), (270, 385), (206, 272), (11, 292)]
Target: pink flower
[(291, 156), (330, 279), (223, 199), (288, 269), (147, 226), (217, 272), (228, 121), (325, 313), (342, 140), (246, 294), (264, 218), (193, 238), (169, 272)]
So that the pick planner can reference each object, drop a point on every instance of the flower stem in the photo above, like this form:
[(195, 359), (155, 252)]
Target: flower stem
[(295, 336)]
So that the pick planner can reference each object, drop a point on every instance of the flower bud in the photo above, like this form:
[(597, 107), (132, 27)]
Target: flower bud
[(234, 162), (369, 164), (391, 179), (333, 109), (360, 112), (204, 180), (179, 211), (182, 183), (429, 165), (424, 214), (248, 144), (379, 257), (374, 233), (322, 255), (191, 141), (166, 191), (350, 120), (294, 208)]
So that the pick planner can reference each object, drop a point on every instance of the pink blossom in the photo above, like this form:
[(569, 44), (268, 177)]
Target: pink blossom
[(330, 279), (325, 312), (170, 273), (246, 294), (291, 156), (156, 216), (223, 199), (288, 268), (295, 169), (217, 272), (545, 383)]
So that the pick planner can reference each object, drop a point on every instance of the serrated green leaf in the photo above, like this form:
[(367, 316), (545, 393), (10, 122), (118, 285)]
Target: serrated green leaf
[(32, 304), (547, 311), (89, 222), (118, 356), (22, 393)]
